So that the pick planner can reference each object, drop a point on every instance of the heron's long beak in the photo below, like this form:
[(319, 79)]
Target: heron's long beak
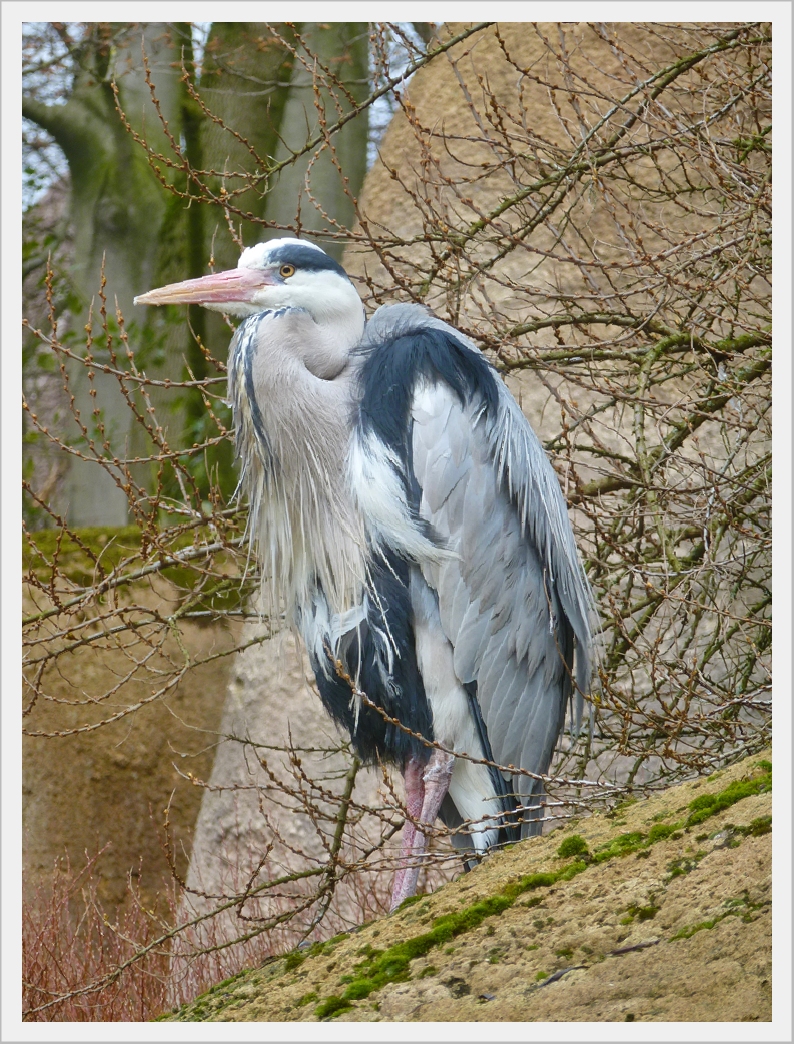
[(236, 285)]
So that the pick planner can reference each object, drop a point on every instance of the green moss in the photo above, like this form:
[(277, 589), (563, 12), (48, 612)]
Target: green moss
[(409, 901), (621, 845), (571, 871), (572, 846), (528, 883), (393, 965), (91, 552), (641, 913), (357, 990), (702, 807), (661, 815), (681, 867), (707, 805), (201, 1008), (221, 987), (428, 971), (88, 554), (307, 998), (330, 1007), (687, 933), (294, 960), (758, 827), (541, 975), (660, 831), (168, 1016)]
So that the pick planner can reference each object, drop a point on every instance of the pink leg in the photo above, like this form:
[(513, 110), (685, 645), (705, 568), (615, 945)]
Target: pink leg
[(414, 798), (434, 786)]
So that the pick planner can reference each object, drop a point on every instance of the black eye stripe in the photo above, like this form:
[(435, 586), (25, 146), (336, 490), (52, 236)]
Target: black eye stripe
[(305, 259)]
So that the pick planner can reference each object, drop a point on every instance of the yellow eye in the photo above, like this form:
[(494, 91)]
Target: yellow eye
[(286, 271)]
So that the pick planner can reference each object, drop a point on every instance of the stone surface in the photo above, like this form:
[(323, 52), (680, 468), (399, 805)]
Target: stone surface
[(634, 939), (107, 787)]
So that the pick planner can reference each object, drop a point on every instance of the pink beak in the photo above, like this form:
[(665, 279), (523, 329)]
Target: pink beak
[(236, 285)]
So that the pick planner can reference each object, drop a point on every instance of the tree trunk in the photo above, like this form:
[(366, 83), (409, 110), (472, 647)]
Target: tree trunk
[(318, 191), (267, 91), (244, 84), (116, 209)]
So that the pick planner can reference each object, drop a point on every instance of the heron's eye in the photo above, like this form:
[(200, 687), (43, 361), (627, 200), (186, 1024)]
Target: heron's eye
[(286, 271)]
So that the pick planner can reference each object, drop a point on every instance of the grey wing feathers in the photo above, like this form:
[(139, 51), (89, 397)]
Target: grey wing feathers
[(528, 476), (513, 601)]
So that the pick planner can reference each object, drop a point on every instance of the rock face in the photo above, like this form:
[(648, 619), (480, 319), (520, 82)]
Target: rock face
[(89, 789), (660, 911), (474, 132)]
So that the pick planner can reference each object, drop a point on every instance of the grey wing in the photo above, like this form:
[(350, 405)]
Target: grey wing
[(513, 602)]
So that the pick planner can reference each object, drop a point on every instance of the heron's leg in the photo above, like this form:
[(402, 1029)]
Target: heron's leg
[(435, 780), (414, 799)]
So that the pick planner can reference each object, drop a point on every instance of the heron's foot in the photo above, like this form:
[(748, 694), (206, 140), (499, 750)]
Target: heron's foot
[(436, 779)]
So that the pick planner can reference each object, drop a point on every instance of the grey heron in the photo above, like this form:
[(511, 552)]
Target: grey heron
[(405, 512)]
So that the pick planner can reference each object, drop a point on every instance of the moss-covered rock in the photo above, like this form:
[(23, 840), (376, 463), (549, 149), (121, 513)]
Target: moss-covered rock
[(569, 927)]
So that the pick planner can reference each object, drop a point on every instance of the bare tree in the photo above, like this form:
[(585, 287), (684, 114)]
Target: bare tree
[(135, 216)]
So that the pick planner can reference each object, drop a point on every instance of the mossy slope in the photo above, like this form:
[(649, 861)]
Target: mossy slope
[(555, 921)]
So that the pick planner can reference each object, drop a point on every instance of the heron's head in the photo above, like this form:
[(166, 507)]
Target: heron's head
[(282, 273)]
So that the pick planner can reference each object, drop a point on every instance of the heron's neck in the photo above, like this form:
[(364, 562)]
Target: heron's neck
[(335, 330), (291, 387), (319, 343)]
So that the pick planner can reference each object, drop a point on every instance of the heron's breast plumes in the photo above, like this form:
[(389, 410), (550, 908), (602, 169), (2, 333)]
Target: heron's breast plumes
[(292, 433)]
